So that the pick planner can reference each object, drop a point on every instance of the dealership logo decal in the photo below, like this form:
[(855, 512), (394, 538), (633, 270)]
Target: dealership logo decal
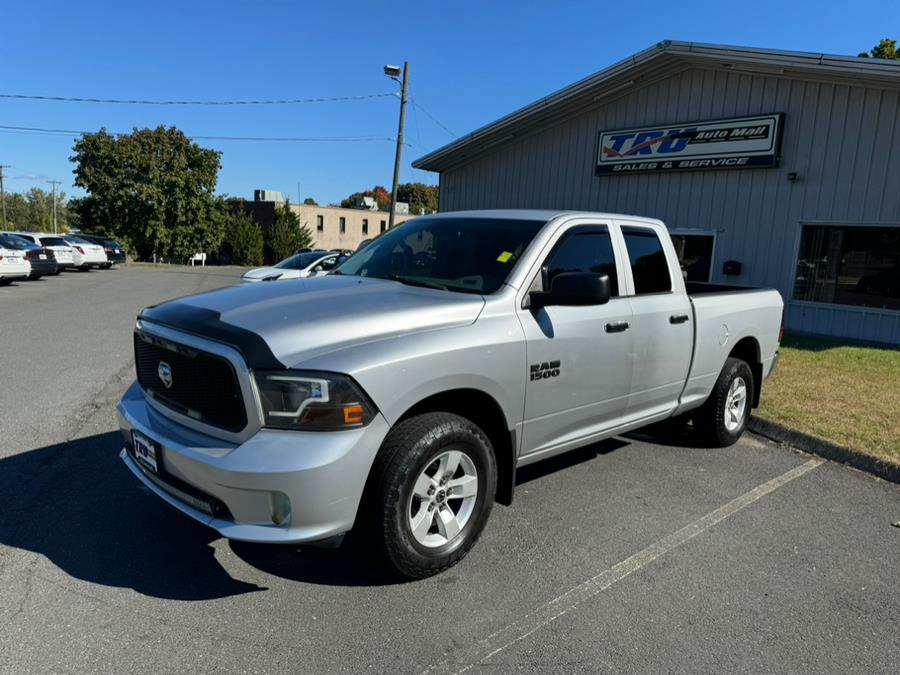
[(741, 142), (165, 374)]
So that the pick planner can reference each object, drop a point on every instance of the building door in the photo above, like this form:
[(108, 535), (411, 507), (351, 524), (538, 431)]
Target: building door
[(579, 358), (695, 253)]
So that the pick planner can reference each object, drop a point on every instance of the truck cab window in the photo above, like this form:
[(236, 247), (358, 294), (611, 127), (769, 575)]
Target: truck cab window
[(649, 266), (589, 252)]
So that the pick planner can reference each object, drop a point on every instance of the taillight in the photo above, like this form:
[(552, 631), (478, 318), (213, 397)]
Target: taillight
[(781, 330), (107, 249), (79, 249)]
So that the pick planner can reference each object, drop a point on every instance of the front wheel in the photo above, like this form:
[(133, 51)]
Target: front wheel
[(723, 417), (432, 491)]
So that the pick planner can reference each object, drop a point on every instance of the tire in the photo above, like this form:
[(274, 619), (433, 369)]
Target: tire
[(106, 266), (408, 485), (84, 268), (721, 420)]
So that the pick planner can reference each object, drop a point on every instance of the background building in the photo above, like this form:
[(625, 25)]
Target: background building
[(334, 227), (331, 226), (770, 168)]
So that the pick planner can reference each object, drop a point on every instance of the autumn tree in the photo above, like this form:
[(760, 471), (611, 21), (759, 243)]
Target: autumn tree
[(382, 198)]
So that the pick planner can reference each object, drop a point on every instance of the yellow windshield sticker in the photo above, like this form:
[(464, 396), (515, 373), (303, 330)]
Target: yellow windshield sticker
[(504, 257)]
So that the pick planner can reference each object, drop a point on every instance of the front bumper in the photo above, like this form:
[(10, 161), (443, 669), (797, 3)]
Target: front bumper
[(321, 473)]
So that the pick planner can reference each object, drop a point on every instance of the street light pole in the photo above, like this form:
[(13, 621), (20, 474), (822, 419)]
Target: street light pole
[(403, 97)]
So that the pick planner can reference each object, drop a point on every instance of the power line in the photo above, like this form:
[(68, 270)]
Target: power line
[(283, 139), (135, 101), (433, 119)]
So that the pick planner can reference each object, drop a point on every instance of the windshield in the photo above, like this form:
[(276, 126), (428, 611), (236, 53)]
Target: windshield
[(76, 240), (300, 261), (470, 255), (54, 241)]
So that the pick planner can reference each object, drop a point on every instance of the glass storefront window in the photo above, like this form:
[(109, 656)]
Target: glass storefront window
[(849, 266), (695, 253)]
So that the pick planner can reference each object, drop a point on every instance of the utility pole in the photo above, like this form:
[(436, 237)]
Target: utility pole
[(3, 197), (403, 96), (54, 183)]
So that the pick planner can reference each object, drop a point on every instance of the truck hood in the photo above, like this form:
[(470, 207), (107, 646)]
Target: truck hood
[(298, 319)]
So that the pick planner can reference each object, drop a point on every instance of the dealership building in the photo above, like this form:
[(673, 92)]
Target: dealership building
[(770, 168)]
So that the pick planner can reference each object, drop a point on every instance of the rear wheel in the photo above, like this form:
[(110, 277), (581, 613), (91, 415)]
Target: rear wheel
[(721, 420), (431, 493)]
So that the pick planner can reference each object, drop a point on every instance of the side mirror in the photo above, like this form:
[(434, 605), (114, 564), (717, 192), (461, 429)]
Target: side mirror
[(317, 268), (573, 289)]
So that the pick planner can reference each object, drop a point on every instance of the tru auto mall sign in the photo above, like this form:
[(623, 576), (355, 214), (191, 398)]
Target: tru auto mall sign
[(735, 143)]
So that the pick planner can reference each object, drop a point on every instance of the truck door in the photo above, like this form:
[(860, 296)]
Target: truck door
[(662, 323), (579, 359)]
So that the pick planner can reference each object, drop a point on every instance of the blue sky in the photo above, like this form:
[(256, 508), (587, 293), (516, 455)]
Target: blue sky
[(471, 62)]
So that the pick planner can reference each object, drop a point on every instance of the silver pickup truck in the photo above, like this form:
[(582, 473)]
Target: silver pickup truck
[(397, 396)]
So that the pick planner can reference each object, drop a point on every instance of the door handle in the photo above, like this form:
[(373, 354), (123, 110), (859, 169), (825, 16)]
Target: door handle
[(678, 318), (617, 327)]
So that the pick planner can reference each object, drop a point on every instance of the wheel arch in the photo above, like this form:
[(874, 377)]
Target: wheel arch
[(484, 411), (747, 349)]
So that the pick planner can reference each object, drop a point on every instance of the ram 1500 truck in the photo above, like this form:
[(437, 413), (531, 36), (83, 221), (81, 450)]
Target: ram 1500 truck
[(398, 395)]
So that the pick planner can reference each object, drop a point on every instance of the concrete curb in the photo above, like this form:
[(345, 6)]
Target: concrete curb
[(823, 448)]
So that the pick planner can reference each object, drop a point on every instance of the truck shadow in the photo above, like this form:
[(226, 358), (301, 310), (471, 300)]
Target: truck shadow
[(77, 505)]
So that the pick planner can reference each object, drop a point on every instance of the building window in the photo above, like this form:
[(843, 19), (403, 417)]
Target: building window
[(365, 226), (383, 225), (649, 266), (849, 266), (343, 225), (695, 253), (320, 223)]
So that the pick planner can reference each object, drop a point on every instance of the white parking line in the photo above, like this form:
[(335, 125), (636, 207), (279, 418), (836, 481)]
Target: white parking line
[(466, 658)]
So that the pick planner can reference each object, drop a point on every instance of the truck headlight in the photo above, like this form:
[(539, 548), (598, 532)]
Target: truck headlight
[(311, 401)]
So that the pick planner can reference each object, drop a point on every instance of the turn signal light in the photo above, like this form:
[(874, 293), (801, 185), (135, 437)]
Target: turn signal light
[(354, 414)]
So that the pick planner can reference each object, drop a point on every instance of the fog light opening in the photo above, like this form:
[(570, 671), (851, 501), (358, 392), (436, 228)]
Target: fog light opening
[(281, 508)]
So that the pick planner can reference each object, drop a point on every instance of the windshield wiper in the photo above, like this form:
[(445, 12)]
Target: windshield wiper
[(415, 282)]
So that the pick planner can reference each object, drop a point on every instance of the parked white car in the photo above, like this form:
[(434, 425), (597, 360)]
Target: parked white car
[(91, 254), (62, 250), (298, 266), (13, 265)]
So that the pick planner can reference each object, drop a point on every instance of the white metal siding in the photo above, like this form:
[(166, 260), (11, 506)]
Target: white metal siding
[(843, 141)]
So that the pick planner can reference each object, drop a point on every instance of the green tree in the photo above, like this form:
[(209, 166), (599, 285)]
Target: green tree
[(886, 49), (243, 243), (309, 201), (33, 211), (419, 197), (286, 234), (152, 188)]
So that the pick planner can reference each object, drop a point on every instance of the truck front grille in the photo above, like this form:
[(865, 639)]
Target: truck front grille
[(194, 383)]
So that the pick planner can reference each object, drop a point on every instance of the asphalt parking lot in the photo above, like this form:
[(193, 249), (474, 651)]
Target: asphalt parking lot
[(638, 554)]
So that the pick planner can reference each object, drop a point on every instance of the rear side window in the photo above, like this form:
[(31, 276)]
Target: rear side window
[(649, 266), (589, 252)]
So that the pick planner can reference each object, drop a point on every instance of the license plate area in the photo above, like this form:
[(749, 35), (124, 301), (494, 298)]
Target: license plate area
[(146, 452)]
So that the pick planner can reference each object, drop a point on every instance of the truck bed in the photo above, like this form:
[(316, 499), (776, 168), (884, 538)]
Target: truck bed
[(703, 288)]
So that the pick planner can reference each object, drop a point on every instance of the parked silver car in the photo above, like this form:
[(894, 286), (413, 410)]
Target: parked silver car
[(399, 394)]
